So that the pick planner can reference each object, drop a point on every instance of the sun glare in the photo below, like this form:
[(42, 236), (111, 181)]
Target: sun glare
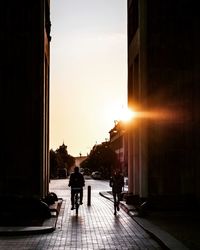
[(127, 115), (115, 113)]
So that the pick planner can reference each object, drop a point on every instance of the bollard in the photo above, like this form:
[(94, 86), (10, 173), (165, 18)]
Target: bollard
[(89, 196)]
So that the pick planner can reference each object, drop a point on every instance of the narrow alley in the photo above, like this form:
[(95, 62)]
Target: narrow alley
[(95, 228)]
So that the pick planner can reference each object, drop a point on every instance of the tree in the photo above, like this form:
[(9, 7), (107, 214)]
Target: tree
[(60, 160), (62, 156), (101, 158), (53, 164)]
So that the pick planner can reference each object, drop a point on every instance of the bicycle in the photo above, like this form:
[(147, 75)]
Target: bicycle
[(77, 199)]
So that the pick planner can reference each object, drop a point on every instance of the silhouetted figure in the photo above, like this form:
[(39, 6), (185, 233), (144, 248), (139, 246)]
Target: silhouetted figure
[(76, 181), (117, 183)]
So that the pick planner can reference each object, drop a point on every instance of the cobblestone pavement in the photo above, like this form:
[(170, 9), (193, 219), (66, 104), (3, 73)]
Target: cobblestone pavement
[(95, 228)]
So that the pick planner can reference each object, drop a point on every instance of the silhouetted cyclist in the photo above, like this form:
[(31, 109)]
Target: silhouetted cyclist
[(117, 183), (76, 181)]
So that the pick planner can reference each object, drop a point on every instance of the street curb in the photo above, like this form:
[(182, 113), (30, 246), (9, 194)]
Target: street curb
[(161, 236), (12, 231), (49, 225), (166, 240)]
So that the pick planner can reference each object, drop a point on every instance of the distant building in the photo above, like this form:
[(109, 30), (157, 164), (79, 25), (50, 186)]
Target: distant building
[(79, 160), (119, 144), (163, 81), (24, 97)]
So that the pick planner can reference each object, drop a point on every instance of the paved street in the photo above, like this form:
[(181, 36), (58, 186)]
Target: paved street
[(95, 228)]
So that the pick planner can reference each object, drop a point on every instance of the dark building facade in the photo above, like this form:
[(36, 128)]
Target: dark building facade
[(164, 87), (24, 97)]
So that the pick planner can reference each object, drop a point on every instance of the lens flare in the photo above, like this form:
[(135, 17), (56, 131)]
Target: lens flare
[(127, 115)]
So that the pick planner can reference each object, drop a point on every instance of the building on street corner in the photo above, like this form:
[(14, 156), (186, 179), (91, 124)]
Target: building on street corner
[(163, 87), (24, 98), (119, 144)]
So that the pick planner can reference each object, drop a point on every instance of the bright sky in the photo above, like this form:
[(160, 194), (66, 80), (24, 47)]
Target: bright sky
[(88, 81)]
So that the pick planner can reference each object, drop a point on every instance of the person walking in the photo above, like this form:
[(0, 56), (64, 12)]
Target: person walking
[(76, 181), (117, 183)]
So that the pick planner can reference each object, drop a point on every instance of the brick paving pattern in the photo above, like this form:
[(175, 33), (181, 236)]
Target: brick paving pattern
[(95, 228)]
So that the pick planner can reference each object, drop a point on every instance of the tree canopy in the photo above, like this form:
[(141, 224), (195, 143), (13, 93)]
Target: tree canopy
[(60, 160), (101, 158)]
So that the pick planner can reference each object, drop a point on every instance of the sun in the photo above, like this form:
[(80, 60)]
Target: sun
[(116, 113), (127, 114)]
